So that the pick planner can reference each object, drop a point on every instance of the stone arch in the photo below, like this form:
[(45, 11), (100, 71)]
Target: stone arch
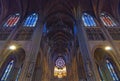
[(101, 46), (100, 56), (18, 56)]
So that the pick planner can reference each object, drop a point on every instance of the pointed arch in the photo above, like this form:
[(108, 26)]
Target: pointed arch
[(60, 69), (88, 20), (31, 20), (107, 20), (12, 20), (7, 70), (111, 70), (12, 65), (106, 66)]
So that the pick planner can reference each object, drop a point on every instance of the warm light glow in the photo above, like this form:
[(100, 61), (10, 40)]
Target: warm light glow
[(108, 48), (60, 72), (12, 47)]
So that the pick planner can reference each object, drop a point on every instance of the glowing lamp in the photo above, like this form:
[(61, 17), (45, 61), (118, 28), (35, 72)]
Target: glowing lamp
[(12, 47), (108, 48)]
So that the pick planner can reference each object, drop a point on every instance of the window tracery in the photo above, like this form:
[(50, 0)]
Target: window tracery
[(31, 20), (88, 20), (7, 71), (111, 70), (60, 70), (12, 20), (107, 20)]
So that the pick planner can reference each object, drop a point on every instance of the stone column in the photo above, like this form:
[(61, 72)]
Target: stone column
[(29, 65), (84, 49)]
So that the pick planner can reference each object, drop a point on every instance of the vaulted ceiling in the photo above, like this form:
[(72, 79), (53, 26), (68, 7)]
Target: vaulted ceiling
[(52, 7), (59, 16)]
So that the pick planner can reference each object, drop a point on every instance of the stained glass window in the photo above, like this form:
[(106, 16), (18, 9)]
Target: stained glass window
[(12, 20), (60, 63), (100, 72), (18, 74), (60, 69), (88, 20), (44, 28), (7, 71), (107, 21), (31, 20), (112, 71)]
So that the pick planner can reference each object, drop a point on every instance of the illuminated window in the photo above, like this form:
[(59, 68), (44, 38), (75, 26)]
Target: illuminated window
[(60, 63), (107, 21), (112, 71), (100, 72), (7, 71), (88, 20), (31, 20), (60, 68), (12, 20), (18, 74)]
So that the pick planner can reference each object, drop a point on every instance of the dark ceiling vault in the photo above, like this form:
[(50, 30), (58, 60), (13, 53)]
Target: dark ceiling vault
[(52, 7), (59, 16)]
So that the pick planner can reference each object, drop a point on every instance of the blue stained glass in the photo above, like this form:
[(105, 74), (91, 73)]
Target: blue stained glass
[(75, 30), (92, 20), (88, 20), (35, 19), (101, 74), (34, 23), (7, 71), (44, 29), (18, 74), (31, 20), (84, 21), (28, 23), (112, 72), (25, 24)]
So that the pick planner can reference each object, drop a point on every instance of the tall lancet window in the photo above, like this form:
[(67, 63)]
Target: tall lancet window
[(7, 71), (111, 70), (88, 20), (19, 71), (31, 20), (60, 68), (107, 20), (100, 72), (12, 20)]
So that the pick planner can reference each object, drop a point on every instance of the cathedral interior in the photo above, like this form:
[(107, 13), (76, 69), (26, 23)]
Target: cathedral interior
[(60, 40)]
